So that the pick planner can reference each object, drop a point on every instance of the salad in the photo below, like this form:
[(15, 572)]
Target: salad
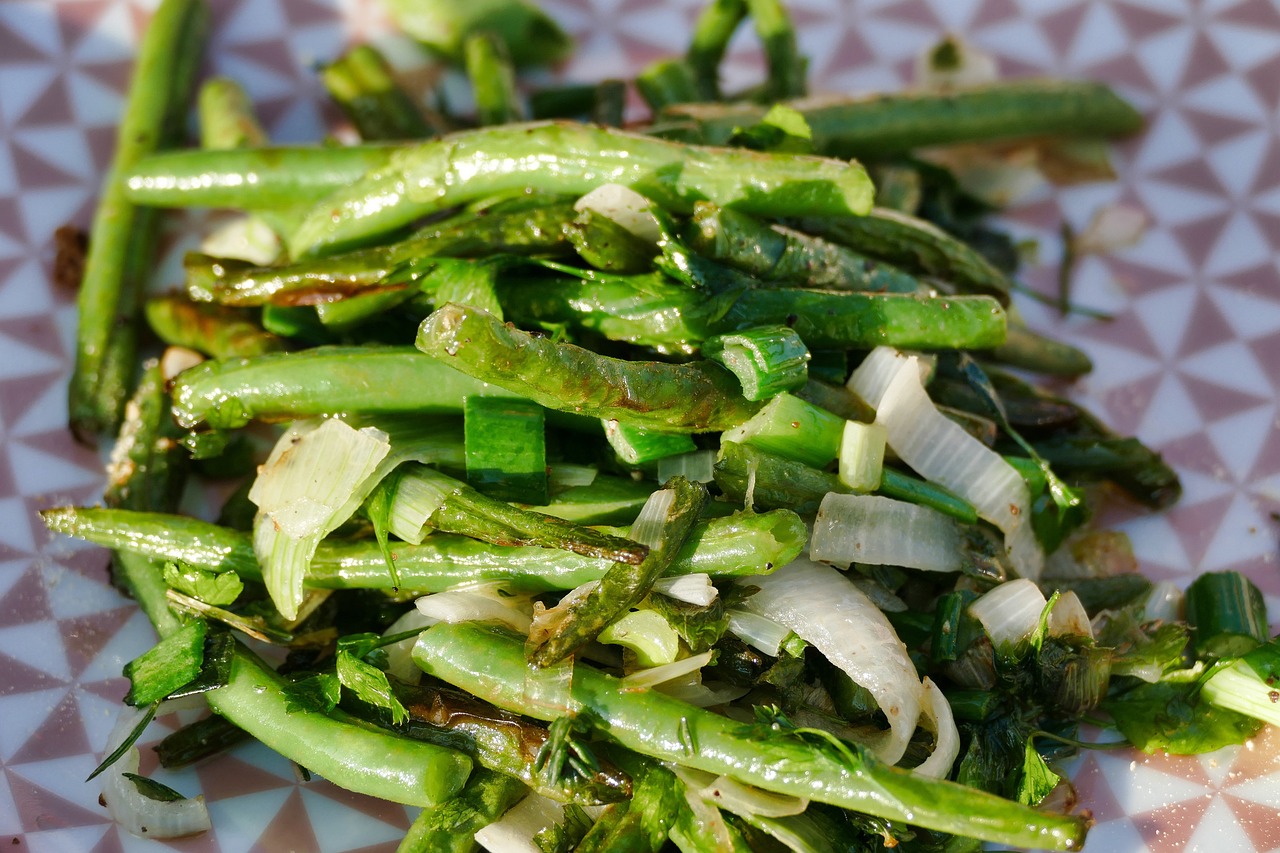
[(670, 485)]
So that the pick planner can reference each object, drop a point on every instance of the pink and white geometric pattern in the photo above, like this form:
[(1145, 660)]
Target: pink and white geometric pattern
[(1191, 362)]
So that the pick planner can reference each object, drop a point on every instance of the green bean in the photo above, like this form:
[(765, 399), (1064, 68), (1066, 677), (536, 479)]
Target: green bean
[(230, 393), (371, 761), (492, 666), (226, 117), (737, 545), (917, 247), (711, 35), (536, 230), (775, 253), (444, 25), (1039, 353), (571, 158), (467, 512), (695, 397), (622, 586), (650, 815), (362, 85), (879, 126), (214, 330), (786, 67), (122, 238), (666, 83), (609, 104), (279, 177), (493, 79)]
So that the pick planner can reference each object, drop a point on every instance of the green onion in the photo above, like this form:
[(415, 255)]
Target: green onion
[(166, 666), (1250, 685), (792, 428), (493, 79), (767, 360), (862, 456), (1227, 614), (638, 445), (506, 448)]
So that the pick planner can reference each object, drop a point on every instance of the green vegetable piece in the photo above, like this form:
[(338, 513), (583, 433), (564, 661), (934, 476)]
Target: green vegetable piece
[(444, 26), (1176, 716), (1037, 779), (153, 790), (608, 246), (645, 632), (776, 253), (371, 761), (166, 666), (567, 158), (607, 500), (271, 178), (493, 79), (210, 329), (787, 69), (622, 586), (711, 35), (696, 397), (362, 85), (369, 684), (638, 446), (1249, 685), (768, 756), (667, 82), (783, 129), (1039, 353), (790, 427), (216, 588), (369, 380), (451, 826), (1227, 613), (506, 448), (202, 739), (122, 238), (879, 126), (226, 116), (767, 360)]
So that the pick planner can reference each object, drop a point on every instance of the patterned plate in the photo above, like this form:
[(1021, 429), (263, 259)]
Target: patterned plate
[(1191, 361)]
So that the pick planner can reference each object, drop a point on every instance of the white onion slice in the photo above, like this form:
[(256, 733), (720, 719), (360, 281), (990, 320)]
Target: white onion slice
[(482, 603), (742, 799), (883, 531), (760, 633), (823, 608), (136, 812), (941, 451), (937, 717), (1164, 602), (1068, 617), (693, 589), (1010, 612), (654, 675), (400, 655), (624, 206)]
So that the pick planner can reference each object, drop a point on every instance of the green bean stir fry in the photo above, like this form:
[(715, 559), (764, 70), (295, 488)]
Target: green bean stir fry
[(592, 488)]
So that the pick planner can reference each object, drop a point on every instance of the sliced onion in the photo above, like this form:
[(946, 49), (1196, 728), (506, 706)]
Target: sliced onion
[(646, 678), (965, 65), (624, 206), (1164, 602), (563, 475), (1068, 617), (941, 451), (694, 589), (702, 695), (883, 531), (1010, 612), (938, 718), (697, 466), (133, 810), (400, 655), (651, 523), (481, 603), (823, 608), (742, 799), (757, 631), (705, 814)]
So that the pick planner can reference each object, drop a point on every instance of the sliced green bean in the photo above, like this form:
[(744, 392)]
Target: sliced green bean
[(1039, 353), (668, 82), (533, 37), (451, 827), (492, 666), (786, 68), (737, 545), (563, 157), (362, 85), (371, 761), (694, 397), (493, 79), (216, 331), (279, 177), (226, 117), (711, 35), (879, 126), (122, 238)]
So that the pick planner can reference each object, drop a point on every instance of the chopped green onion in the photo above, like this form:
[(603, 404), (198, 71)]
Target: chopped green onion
[(506, 448), (639, 445), (1250, 685), (862, 455), (647, 634), (767, 359), (1227, 614), (790, 427), (166, 666)]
